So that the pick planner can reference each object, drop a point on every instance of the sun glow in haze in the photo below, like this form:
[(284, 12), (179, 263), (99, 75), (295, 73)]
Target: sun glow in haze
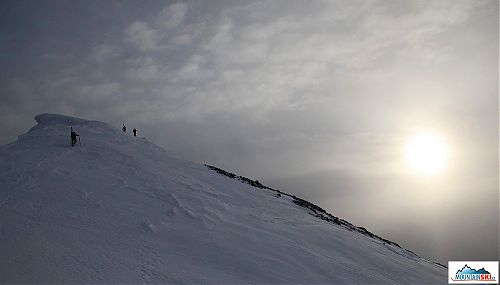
[(427, 154)]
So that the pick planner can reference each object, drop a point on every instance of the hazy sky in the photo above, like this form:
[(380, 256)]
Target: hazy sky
[(316, 98)]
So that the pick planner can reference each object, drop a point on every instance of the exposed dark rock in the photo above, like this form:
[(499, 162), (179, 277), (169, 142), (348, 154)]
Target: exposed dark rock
[(314, 209)]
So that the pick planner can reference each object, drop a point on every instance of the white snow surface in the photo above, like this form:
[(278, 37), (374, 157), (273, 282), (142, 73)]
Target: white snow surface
[(119, 209)]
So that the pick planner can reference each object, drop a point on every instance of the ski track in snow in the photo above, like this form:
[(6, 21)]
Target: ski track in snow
[(119, 209)]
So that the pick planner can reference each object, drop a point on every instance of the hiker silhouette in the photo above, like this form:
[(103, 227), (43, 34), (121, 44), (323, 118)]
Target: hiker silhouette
[(124, 129), (135, 132), (73, 137)]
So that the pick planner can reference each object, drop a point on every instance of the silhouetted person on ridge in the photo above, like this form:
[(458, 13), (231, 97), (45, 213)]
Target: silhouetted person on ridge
[(73, 137), (135, 132), (124, 129)]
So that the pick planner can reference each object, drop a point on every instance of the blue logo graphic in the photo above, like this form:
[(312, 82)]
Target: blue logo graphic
[(467, 270), (469, 274)]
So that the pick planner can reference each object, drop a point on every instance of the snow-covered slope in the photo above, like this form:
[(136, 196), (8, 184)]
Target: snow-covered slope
[(121, 209)]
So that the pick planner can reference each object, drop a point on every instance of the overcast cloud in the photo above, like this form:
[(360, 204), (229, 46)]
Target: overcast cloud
[(313, 97)]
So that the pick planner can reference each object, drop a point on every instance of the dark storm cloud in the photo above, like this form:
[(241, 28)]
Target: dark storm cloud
[(313, 97)]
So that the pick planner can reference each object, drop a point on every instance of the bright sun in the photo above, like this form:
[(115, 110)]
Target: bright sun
[(427, 154)]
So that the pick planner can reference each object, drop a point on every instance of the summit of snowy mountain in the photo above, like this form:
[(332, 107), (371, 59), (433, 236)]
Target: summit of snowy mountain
[(119, 209), (47, 118)]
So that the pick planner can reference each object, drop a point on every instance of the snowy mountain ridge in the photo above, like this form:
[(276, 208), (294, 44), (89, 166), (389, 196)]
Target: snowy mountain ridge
[(121, 209), (313, 209)]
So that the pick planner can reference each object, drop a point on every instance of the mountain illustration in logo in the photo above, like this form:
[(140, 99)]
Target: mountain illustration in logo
[(467, 270)]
